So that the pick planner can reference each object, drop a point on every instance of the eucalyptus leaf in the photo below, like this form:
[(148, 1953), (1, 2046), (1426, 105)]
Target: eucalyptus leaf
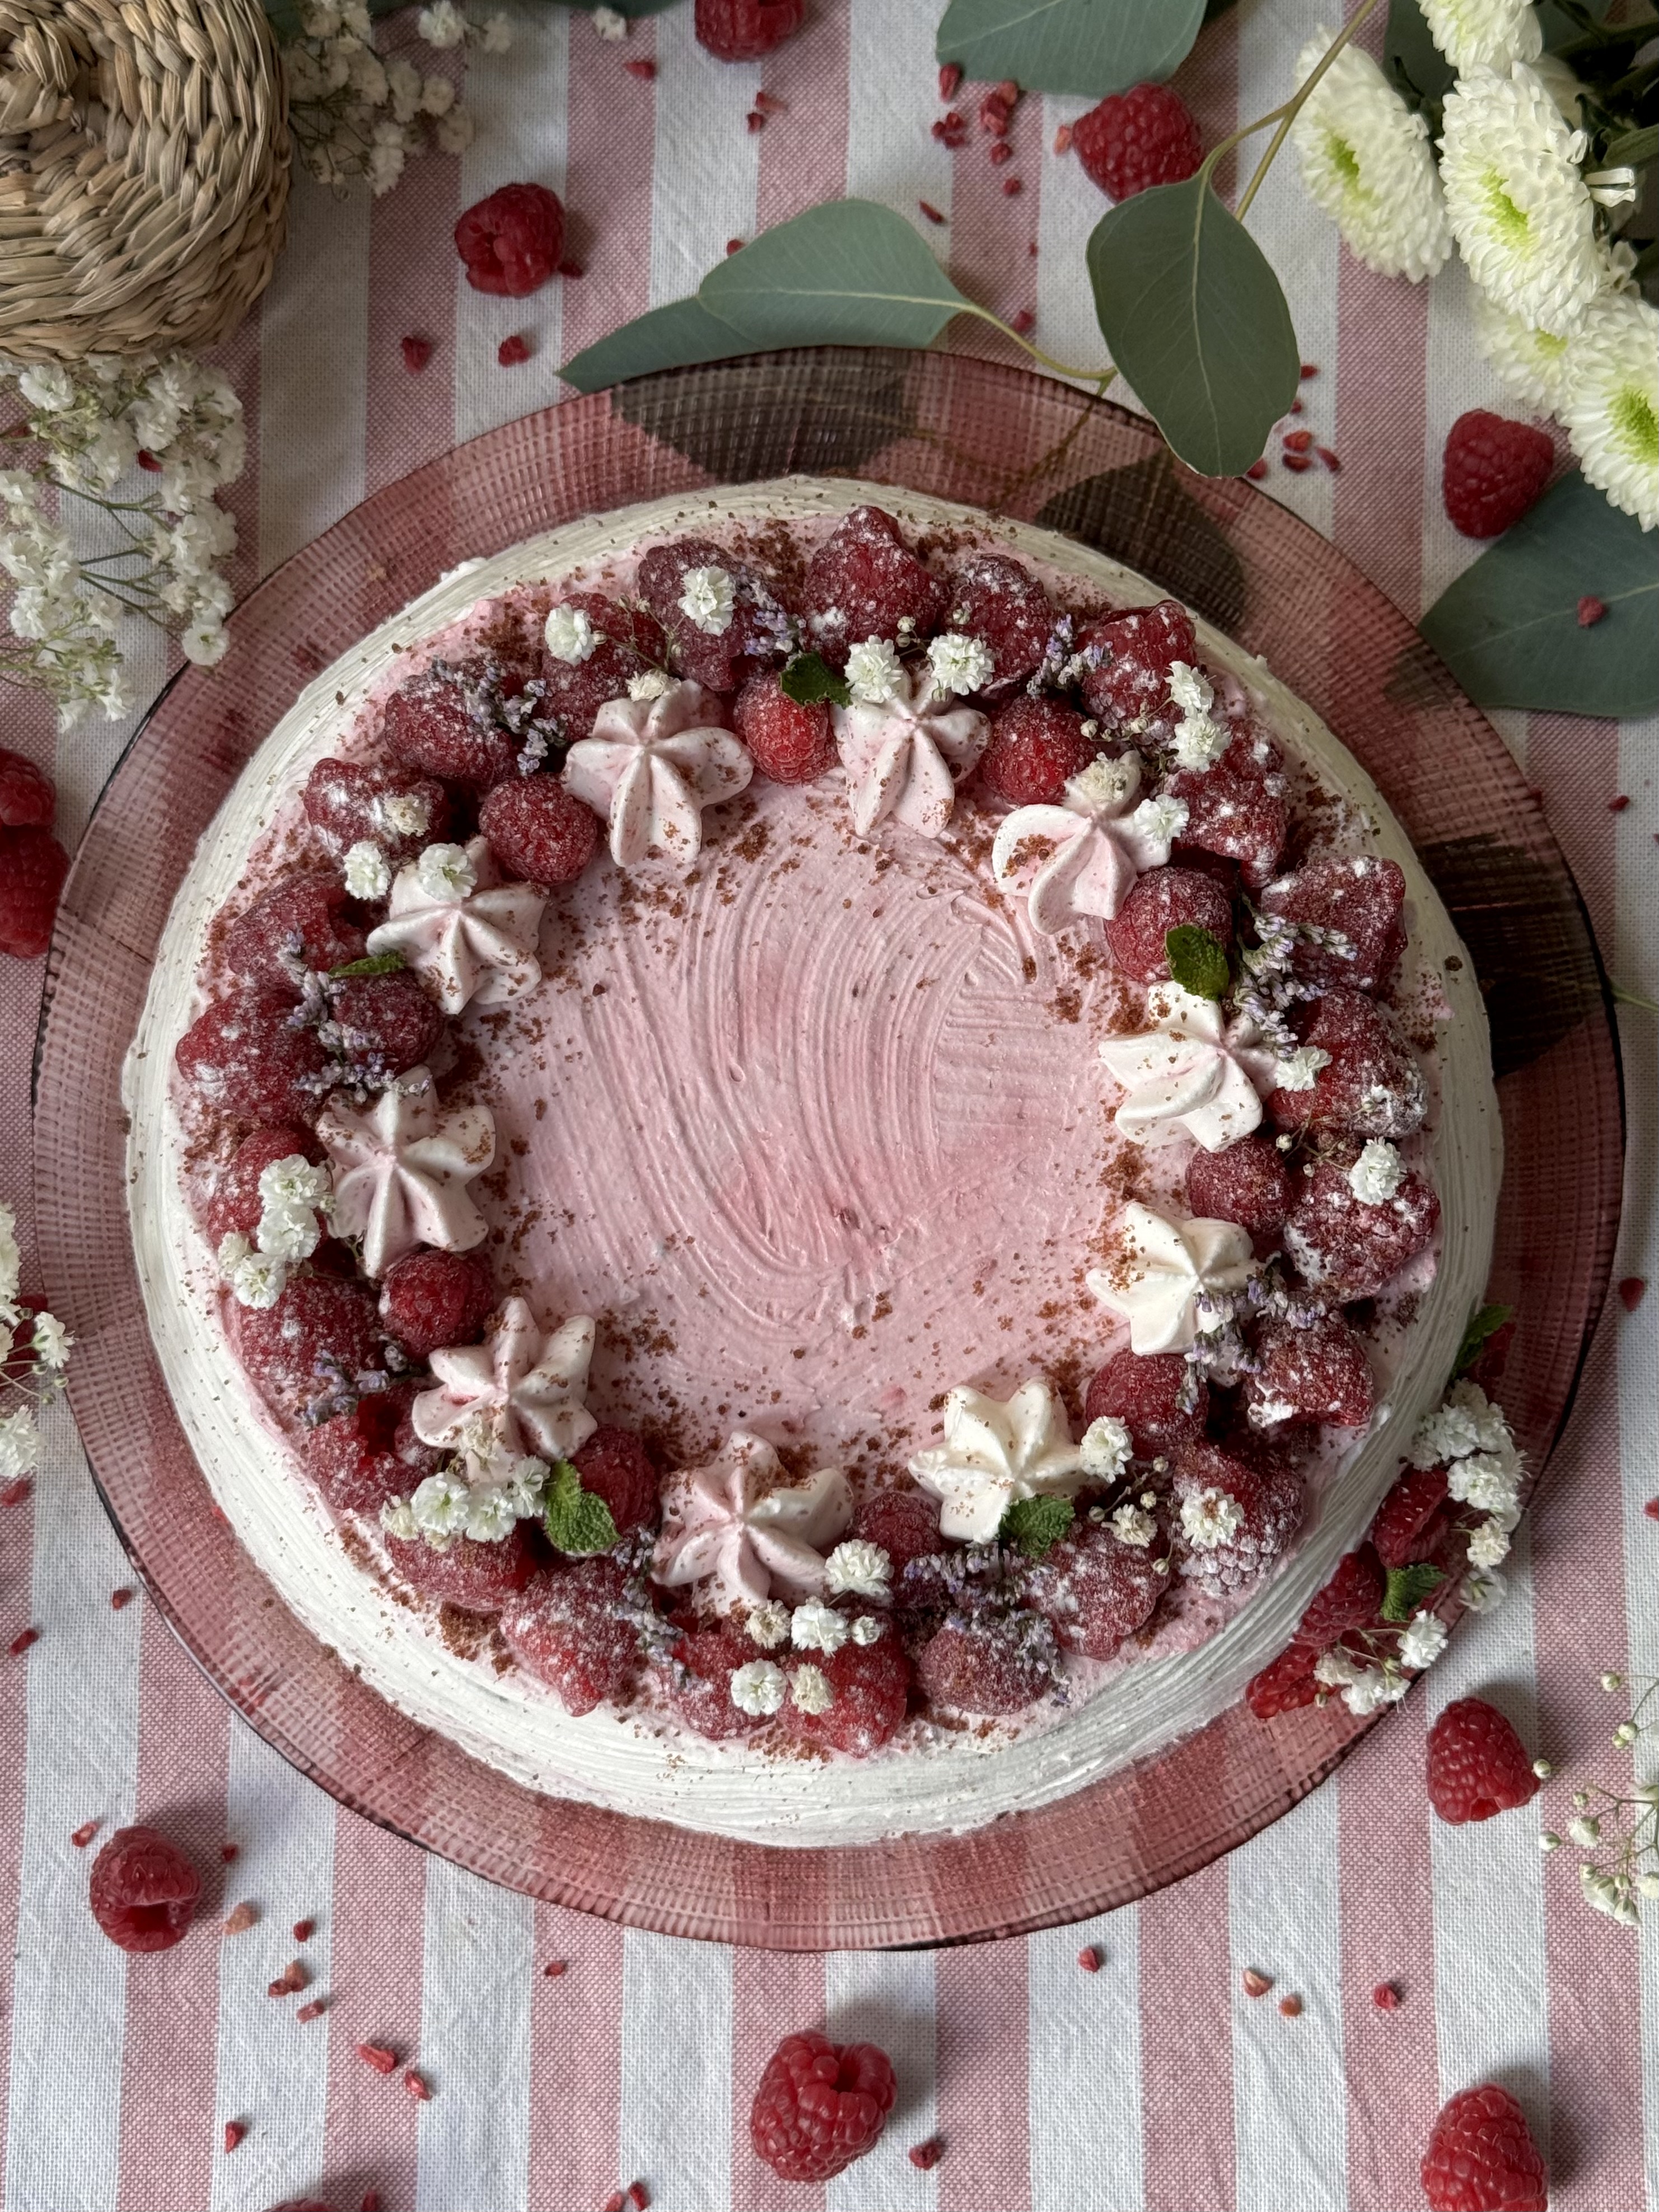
[(1196, 321), (673, 337), (1411, 61), (848, 273), (1509, 630), (1093, 47)]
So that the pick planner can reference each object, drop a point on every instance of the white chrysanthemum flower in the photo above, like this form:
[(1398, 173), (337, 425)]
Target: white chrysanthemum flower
[(707, 597), (650, 683), (1131, 1526), (20, 1443), (1520, 211), (1489, 1545), (52, 1340), (817, 1627), (1377, 1173), (1609, 403), (810, 1688), (570, 635), (1365, 160), (1492, 33), (858, 1569), (769, 1624), (1210, 1519), (444, 873), (368, 872), (1106, 1446), (874, 672), (757, 1689), (1529, 362), (960, 664), (1424, 1641)]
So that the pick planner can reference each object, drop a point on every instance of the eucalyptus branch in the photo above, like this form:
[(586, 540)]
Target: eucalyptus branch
[(1293, 106), (1100, 378)]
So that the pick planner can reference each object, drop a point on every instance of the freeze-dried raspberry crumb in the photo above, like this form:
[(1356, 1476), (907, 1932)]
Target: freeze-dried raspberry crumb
[(871, 1685), (557, 1967), (567, 1629), (1321, 1373), (119, 1600), (1129, 688), (745, 30), (1090, 1959), (904, 1521), (241, 1918), (1493, 470), (305, 2012), (430, 1300), (23, 1641), (1094, 1590), (1481, 2157), (1000, 601), (1036, 745), (16, 1490), (1162, 899), (416, 353), (511, 242), (1345, 1247), (320, 1321), (1590, 612), (228, 1852), (1371, 1086), (236, 2134), (292, 1980), (630, 641), (1137, 138), (1143, 1390), (303, 1930), (1237, 808), (721, 661), (1409, 1521), (1351, 1599), (951, 129), (234, 1203), (33, 866), (512, 350), (348, 801), (143, 1890), (641, 68), (698, 1675), (1267, 1492), (1284, 1685), (615, 1466), (1360, 896), (819, 2105), (1477, 1765), (1633, 1289), (1386, 1997), (790, 743), (442, 722), (930, 211), (29, 798), (989, 1665), (82, 1836), (353, 1458), (864, 581), (416, 2085), (387, 1018), (1298, 441), (478, 1577), (537, 831), (1246, 1183), (379, 2056), (950, 79)]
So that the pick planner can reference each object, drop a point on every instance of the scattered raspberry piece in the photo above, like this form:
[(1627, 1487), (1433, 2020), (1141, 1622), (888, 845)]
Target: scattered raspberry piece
[(476, 1577), (416, 2086), (1290, 2007), (318, 1320), (379, 2056), (1298, 463), (630, 641), (1477, 1765), (234, 1202), (745, 30), (441, 722), (871, 1683), (119, 1600), (1481, 2157), (1590, 612), (246, 1057), (820, 2105), (904, 1521), (353, 1458), (511, 242), (18, 1488), (1406, 1527), (950, 78), (1493, 471), (25, 1640), (29, 798), (567, 1629), (1143, 1390), (1267, 1495), (1131, 686), (348, 799), (1351, 1599), (292, 1980), (1094, 1590), (931, 213), (1386, 1997), (241, 1918), (992, 1665), (1317, 1373), (306, 2012), (388, 1018), (951, 129), (33, 866), (1256, 1984), (1284, 1685), (1000, 601), (430, 1300), (1362, 896), (537, 831), (790, 743), (144, 1890), (299, 912), (643, 68), (303, 1930), (615, 1466), (1136, 138), (925, 2155), (1090, 1959), (236, 2134), (82, 1836), (698, 1681), (1633, 1289), (1344, 1246), (512, 351), (1246, 1183), (748, 640), (1238, 807), (864, 581), (1372, 1086), (1160, 901), (1035, 746), (416, 353)]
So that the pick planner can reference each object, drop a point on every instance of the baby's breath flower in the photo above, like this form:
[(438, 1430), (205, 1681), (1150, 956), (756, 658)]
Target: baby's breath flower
[(1365, 160), (19, 1442), (874, 672)]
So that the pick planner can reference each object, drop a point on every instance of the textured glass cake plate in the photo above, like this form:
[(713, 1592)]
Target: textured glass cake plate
[(965, 430)]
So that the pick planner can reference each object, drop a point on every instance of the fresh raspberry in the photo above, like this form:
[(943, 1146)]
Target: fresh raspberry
[(1361, 896), (29, 798), (743, 30), (1345, 1247), (1283, 1686), (1035, 746), (442, 722), (864, 581), (615, 1466), (387, 1018), (353, 1459), (1494, 471), (748, 642), (566, 1628), (478, 1577), (1094, 1589), (1269, 1494), (246, 1056), (1143, 1390), (233, 1204), (1477, 1765), (143, 1890), (1372, 1085), (537, 831), (1237, 809), (33, 866), (698, 1681), (430, 1300), (631, 640), (512, 242), (1160, 901), (1246, 1183), (1481, 2156), (1351, 1599), (1317, 1373), (871, 1683), (347, 801), (1136, 138), (1406, 1527), (820, 2105), (319, 1322), (1000, 601), (1131, 686), (994, 1664), (790, 743), (299, 915), (903, 1521)]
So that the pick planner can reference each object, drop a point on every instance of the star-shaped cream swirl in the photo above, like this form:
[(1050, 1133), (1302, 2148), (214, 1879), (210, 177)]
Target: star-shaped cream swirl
[(996, 1452), (904, 753), (741, 1521), (457, 924), (1163, 1269), (518, 1395), (401, 1169), (1079, 860), (1191, 1070), (650, 767)]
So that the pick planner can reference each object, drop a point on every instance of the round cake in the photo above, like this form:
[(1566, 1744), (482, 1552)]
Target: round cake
[(802, 1161)]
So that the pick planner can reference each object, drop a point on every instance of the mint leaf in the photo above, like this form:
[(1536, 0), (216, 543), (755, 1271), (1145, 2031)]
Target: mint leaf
[(809, 681), (1035, 1523), (1197, 960), (1407, 1588), (1485, 1323), (373, 963), (576, 1520)]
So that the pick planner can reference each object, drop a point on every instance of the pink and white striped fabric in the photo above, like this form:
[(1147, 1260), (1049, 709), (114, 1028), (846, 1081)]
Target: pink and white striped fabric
[(1154, 2083)]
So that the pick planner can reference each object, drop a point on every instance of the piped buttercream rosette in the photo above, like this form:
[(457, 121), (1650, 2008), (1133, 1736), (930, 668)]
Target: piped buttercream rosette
[(401, 1169), (995, 1452), (737, 1520), (1191, 1070), (463, 930), (905, 752), (651, 766), (522, 1393), (1079, 860), (1162, 1270)]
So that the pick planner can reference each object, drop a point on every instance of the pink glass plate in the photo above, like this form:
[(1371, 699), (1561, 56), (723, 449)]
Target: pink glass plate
[(962, 429)]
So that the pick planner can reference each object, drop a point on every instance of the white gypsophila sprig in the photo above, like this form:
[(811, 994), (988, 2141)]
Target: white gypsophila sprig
[(1617, 1825), (1366, 161), (357, 116), (1609, 403), (35, 1349), (1472, 34)]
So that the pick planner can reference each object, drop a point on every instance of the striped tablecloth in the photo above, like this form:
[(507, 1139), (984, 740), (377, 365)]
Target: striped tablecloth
[(1155, 2082)]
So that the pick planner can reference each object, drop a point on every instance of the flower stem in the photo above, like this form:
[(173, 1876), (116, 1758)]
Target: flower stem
[(1621, 997), (1293, 107)]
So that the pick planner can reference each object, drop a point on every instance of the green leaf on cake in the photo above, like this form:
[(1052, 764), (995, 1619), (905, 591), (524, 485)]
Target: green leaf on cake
[(576, 1520), (1198, 961), (1484, 1325), (1196, 320), (674, 336), (1033, 1524), (848, 273), (372, 963), (1508, 628), (809, 680), (1094, 46), (1407, 1589)]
